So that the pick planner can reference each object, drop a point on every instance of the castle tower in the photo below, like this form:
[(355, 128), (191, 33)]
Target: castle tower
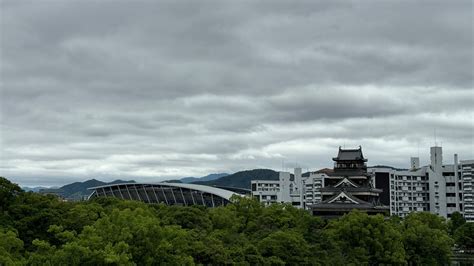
[(349, 187)]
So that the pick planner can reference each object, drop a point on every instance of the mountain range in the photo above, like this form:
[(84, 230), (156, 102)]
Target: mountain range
[(36, 189)]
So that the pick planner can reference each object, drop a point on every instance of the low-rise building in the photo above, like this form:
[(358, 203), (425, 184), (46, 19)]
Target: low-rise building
[(298, 189)]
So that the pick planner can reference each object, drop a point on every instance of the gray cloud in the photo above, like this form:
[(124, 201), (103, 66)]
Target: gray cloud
[(153, 90)]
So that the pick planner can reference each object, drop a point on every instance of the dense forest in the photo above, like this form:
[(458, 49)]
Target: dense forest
[(43, 230)]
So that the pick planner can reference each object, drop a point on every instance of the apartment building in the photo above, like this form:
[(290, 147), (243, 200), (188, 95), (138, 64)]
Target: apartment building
[(467, 175), (438, 188), (295, 188)]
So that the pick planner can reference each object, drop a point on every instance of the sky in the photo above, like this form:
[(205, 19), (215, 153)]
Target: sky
[(155, 90)]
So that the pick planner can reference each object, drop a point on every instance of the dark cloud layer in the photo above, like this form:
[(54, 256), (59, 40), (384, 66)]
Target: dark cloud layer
[(152, 90)]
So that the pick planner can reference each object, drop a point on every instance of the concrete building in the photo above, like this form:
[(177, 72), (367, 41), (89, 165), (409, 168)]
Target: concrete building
[(312, 187), (408, 190), (467, 175), (301, 191), (438, 188), (266, 191)]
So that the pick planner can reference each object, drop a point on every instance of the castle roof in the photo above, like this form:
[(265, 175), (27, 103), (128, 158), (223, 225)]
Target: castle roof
[(350, 155)]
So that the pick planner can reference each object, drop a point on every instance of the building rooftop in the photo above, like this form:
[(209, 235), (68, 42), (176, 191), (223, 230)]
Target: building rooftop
[(226, 194), (350, 155)]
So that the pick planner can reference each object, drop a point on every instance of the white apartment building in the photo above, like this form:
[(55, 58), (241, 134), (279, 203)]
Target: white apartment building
[(408, 189), (438, 188), (301, 191), (467, 175)]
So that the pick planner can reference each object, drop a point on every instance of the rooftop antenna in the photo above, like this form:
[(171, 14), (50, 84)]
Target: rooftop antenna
[(436, 143)]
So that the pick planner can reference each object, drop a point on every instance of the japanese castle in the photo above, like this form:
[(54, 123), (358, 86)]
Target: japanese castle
[(349, 187)]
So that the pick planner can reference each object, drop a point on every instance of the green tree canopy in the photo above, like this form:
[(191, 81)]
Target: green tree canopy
[(285, 246), (426, 239), (456, 221), (464, 236), (11, 248), (8, 192), (363, 239)]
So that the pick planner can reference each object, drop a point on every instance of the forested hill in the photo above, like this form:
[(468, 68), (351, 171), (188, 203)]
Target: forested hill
[(242, 179), (204, 178)]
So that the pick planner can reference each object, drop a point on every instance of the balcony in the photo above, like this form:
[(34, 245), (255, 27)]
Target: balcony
[(450, 190), (451, 199), (450, 179)]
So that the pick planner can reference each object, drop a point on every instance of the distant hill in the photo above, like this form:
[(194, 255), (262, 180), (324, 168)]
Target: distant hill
[(204, 178), (78, 190), (35, 189), (173, 181), (242, 179)]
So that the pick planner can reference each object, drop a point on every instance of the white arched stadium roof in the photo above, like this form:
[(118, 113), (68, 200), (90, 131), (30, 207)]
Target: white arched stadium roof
[(223, 193)]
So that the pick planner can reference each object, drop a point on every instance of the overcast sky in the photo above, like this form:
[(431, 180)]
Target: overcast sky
[(153, 90)]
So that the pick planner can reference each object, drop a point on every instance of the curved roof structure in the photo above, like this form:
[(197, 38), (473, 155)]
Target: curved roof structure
[(168, 193)]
